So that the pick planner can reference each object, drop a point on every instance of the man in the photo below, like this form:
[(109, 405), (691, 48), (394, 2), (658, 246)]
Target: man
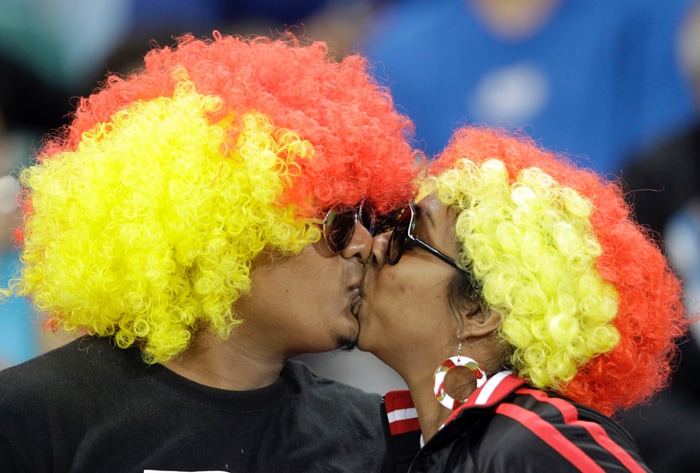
[(203, 220)]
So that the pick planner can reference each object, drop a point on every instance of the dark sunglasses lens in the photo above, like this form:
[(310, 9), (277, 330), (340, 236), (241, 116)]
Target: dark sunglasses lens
[(338, 229), (387, 222), (366, 215), (398, 237)]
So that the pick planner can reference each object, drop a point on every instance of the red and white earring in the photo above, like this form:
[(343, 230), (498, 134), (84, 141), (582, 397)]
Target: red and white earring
[(442, 370)]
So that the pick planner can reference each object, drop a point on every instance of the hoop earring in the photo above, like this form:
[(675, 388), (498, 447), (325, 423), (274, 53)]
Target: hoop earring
[(442, 370)]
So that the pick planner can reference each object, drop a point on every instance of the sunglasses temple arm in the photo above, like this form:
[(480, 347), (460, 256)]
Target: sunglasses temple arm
[(437, 253)]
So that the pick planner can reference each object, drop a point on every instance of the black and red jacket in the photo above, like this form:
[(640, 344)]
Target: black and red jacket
[(507, 426)]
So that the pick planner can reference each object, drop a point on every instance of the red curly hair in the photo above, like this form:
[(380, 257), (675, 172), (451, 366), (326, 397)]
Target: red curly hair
[(361, 145)]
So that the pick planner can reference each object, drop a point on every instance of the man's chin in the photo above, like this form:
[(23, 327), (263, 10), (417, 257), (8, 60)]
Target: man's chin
[(348, 347), (347, 343)]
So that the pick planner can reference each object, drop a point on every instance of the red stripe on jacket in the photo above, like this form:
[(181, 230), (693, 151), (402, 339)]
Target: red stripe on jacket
[(570, 415)]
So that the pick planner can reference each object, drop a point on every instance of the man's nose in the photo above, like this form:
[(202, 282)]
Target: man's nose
[(360, 245), (380, 245)]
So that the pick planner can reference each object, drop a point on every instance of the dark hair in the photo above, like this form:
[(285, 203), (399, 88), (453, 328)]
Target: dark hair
[(463, 291)]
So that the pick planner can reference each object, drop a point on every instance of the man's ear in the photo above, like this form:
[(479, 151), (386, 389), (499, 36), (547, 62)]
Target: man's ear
[(481, 322)]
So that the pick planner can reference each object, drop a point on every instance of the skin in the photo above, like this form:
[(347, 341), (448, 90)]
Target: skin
[(408, 322), (298, 304)]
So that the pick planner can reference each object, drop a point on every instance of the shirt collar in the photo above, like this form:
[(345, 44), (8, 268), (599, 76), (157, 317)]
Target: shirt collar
[(403, 417)]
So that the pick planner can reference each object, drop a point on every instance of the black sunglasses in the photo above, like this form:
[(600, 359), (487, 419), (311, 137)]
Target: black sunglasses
[(402, 237), (339, 225)]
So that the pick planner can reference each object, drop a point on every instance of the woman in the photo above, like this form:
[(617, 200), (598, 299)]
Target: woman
[(543, 306)]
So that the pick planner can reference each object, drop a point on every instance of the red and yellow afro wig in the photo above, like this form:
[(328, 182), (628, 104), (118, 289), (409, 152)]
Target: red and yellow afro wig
[(590, 307), (144, 214)]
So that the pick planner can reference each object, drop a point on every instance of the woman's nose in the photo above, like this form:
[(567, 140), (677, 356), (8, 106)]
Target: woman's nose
[(360, 245)]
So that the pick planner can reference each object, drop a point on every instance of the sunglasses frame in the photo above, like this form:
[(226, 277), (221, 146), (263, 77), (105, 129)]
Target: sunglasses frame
[(409, 236), (356, 213)]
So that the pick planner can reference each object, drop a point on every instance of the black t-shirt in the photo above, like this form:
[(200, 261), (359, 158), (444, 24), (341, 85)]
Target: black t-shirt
[(91, 407)]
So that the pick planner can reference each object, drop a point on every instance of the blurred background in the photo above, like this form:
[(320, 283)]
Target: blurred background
[(615, 85)]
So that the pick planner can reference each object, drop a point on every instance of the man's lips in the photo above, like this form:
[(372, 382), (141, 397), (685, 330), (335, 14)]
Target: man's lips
[(358, 291), (359, 288), (356, 300)]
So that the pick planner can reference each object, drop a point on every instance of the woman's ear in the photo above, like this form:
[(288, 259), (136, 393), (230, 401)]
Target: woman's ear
[(481, 321)]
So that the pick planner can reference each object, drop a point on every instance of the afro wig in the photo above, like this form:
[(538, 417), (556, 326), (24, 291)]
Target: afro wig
[(589, 305), (144, 214)]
